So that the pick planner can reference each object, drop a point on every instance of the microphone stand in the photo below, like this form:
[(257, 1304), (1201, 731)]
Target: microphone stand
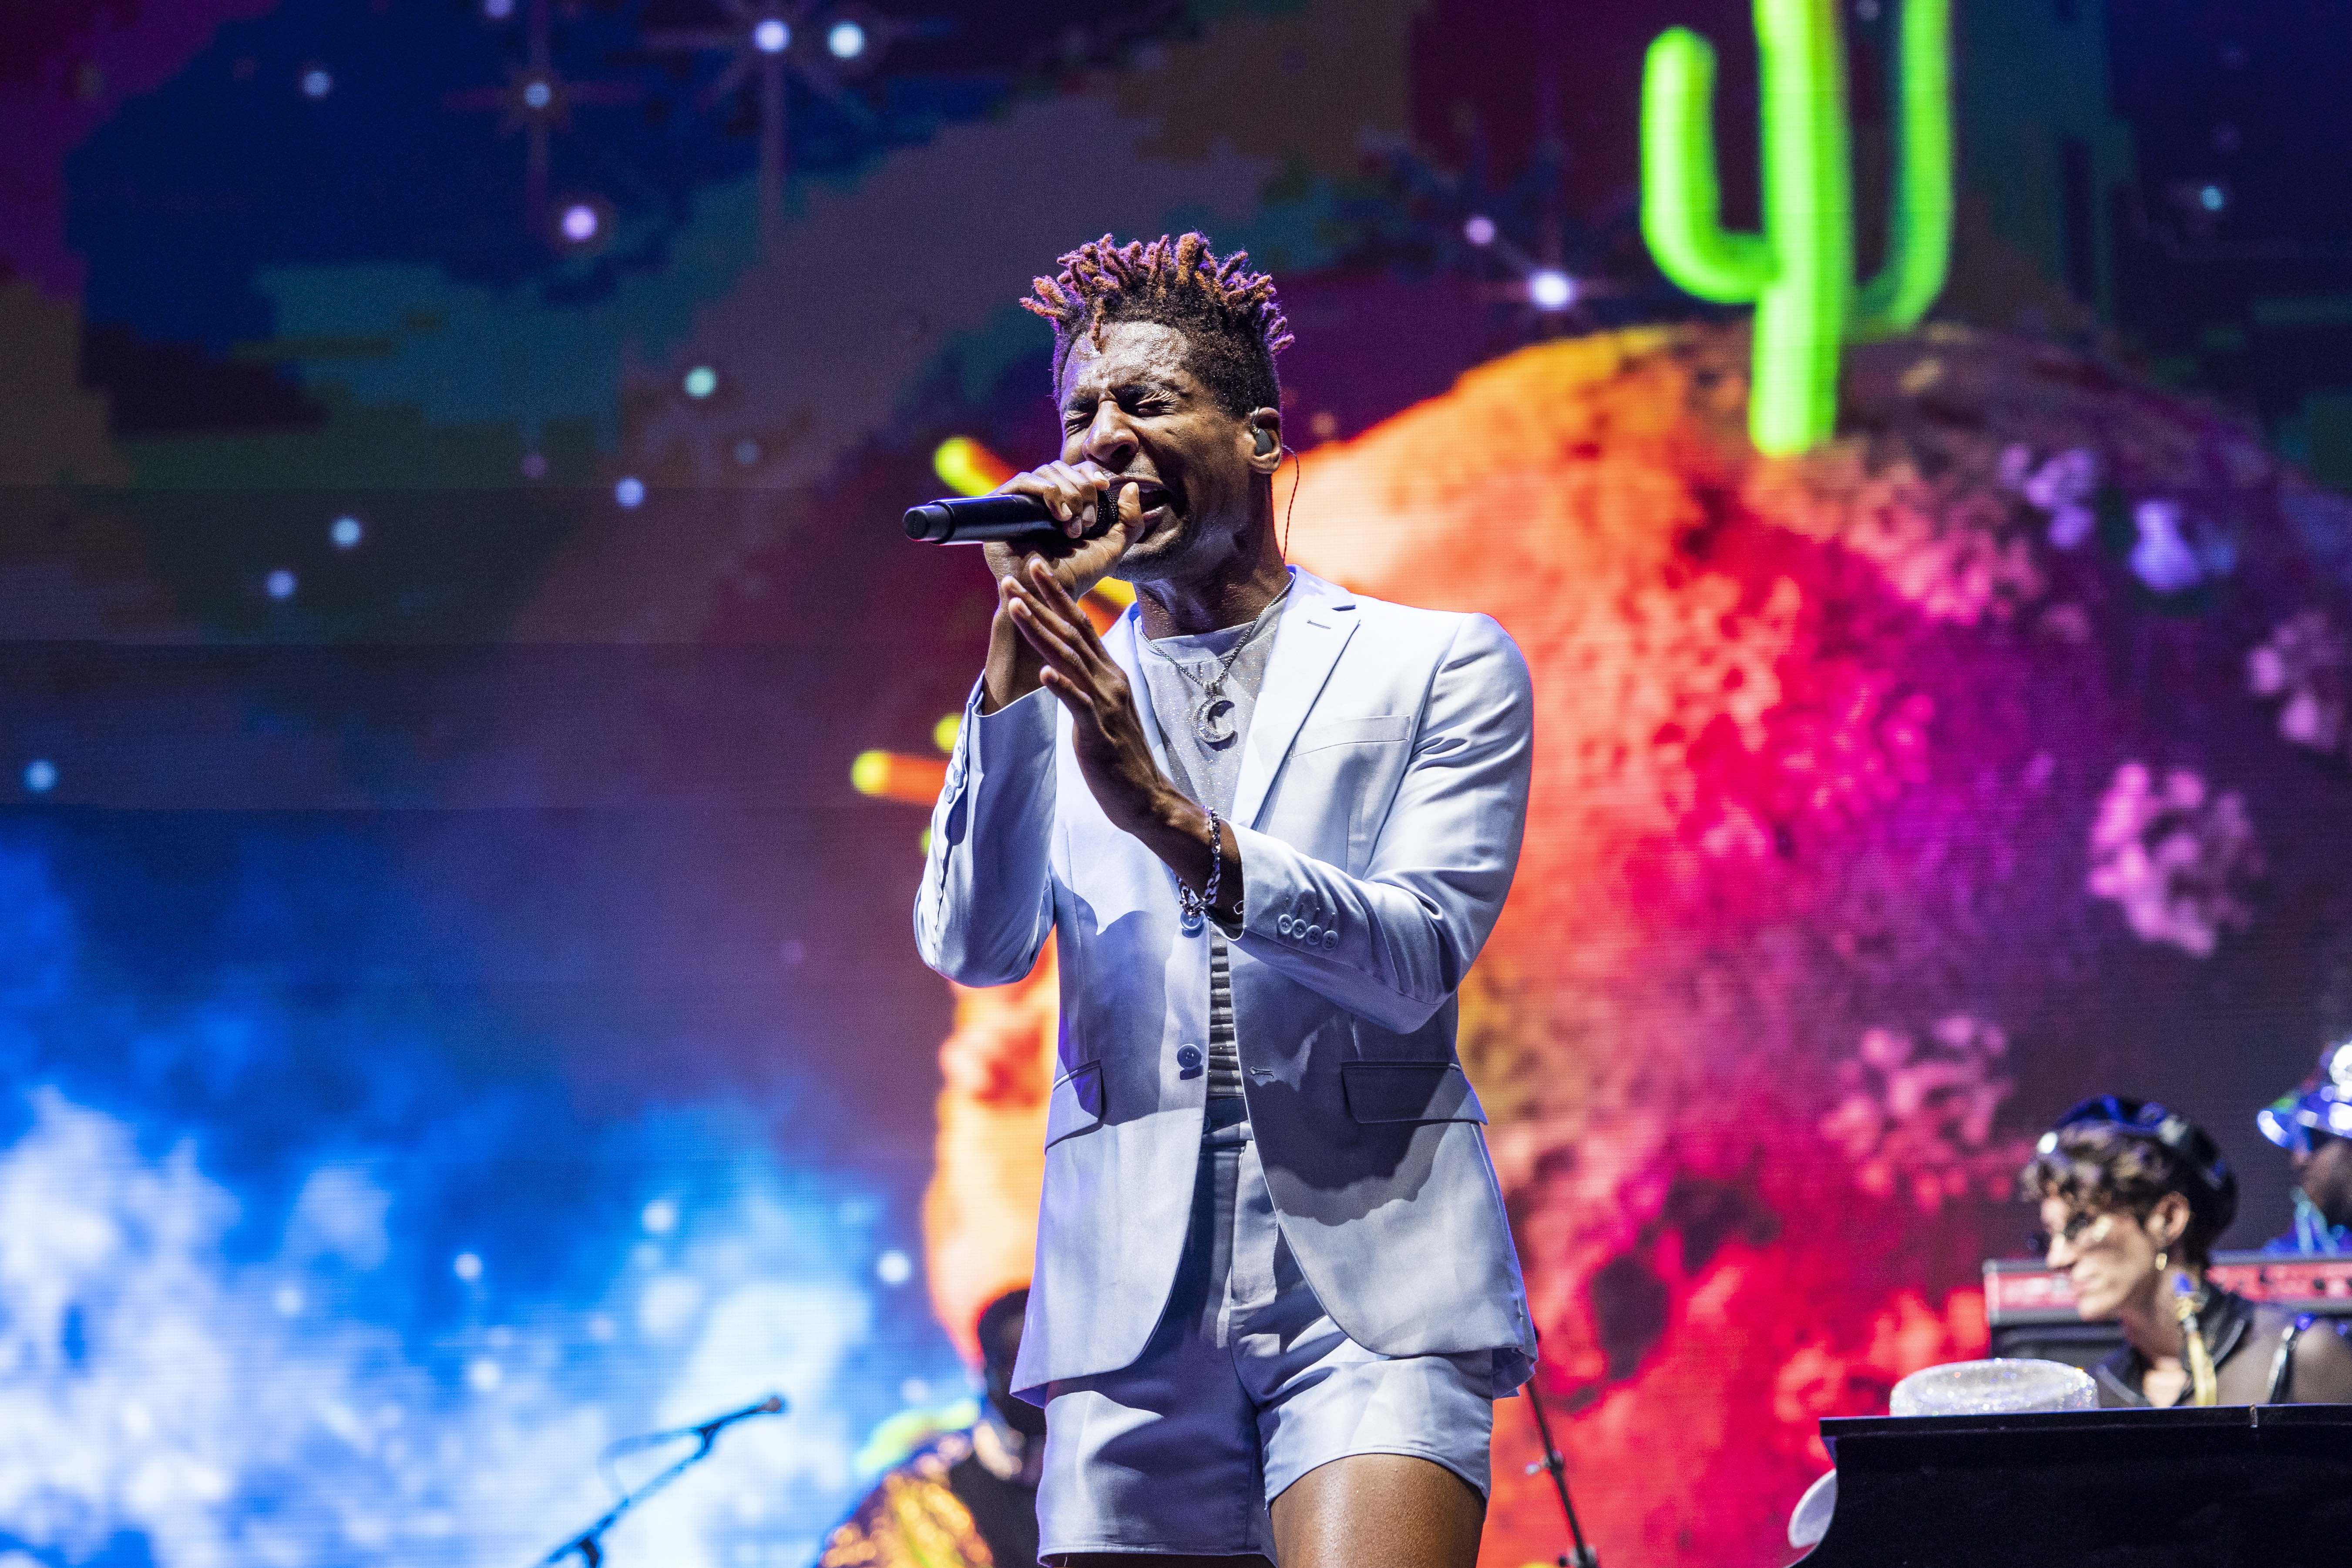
[(1582, 1556), (590, 1542)]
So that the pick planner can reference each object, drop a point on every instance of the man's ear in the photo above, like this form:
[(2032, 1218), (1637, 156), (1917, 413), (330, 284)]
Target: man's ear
[(1266, 439)]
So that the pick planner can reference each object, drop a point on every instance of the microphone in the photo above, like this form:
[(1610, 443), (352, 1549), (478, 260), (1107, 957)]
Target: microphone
[(771, 1405), (984, 520), (589, 1544)]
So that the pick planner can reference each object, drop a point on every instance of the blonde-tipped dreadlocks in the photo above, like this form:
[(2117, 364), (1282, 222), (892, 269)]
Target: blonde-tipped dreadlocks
[(1228, 313)]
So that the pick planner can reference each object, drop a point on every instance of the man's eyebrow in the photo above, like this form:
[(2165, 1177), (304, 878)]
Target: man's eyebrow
[(1142, 381)]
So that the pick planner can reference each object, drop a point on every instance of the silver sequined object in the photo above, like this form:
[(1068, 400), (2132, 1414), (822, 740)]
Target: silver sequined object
[(1997, 1387)]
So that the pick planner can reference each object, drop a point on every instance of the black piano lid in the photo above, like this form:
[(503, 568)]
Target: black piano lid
[(1834, 1427), (2224, 1487)]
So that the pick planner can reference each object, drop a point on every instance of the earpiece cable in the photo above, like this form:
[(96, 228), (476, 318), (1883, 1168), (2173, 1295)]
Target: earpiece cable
[(1297, 472)]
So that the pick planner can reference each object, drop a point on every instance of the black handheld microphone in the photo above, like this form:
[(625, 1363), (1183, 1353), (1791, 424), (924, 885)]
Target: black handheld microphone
[(982, 520)]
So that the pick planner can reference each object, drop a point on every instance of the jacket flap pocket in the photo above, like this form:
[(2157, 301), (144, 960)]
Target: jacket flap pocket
[(1364, 730), (1076, 1103), (1409, 1091)]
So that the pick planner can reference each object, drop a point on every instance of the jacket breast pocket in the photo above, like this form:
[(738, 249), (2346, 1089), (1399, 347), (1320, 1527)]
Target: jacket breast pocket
[(1363, 730), (1346, 770), (1077, 1103), (1409, 1091)]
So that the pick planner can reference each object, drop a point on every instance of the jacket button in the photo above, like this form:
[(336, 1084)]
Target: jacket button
[(1330, 939), (1312, 934), (1283, 925), (1188, 1056)]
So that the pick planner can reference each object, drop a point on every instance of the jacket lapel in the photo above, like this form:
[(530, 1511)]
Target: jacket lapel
[(1314, 626)]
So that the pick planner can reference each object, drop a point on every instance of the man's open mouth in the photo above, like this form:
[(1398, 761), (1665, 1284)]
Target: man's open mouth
[(1151, 496)]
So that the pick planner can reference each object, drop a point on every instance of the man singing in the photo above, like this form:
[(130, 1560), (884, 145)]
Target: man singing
[(1271, 822)]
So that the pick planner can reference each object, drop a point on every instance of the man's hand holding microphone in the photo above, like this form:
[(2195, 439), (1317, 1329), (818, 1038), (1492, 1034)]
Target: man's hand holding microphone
[(1047, 554), (1029, 567)]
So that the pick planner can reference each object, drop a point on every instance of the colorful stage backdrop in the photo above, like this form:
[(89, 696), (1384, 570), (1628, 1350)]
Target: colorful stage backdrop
[(456, 998)]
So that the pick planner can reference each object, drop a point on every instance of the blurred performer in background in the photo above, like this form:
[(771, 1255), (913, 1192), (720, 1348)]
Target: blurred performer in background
[(968, 1499), (1270, 823), (2133, 1197), (2313, 1125)]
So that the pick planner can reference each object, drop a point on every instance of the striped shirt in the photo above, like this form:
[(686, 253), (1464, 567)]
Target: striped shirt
[(1208, 774)]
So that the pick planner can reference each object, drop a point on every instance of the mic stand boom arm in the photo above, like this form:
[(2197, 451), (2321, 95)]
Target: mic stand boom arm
[(590, 1542)]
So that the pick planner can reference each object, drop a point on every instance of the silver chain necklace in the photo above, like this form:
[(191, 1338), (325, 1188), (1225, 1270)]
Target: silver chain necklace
[(1212, 716)]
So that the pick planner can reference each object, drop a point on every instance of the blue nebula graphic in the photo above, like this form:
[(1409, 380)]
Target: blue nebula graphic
[(292, 1273)]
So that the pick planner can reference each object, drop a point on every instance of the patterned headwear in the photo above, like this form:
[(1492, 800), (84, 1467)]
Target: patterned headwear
[(2323, 1103), (2212, 1186)]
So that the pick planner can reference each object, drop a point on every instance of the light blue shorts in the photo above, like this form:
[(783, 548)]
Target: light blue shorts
[(1246, 1386)]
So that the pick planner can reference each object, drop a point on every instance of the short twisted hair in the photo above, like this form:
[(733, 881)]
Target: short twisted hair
[(1228, 314)]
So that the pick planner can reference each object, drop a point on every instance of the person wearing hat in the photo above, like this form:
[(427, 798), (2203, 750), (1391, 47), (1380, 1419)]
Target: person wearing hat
[(2314, 1125), (963, 1500), (2133, 1198)]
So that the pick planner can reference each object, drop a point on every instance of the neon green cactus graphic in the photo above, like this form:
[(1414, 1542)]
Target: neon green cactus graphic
[(1800, 269)]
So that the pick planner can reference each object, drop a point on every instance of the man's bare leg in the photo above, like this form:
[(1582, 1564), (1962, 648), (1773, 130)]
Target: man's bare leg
[(1379, 1511), (1368, 1510)]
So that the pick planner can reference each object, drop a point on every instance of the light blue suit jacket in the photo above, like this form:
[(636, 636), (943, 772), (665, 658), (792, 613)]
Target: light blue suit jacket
[(1378, 814)]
